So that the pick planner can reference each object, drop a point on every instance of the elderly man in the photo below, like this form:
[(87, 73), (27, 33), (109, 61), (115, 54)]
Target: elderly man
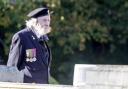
[(29, 51)]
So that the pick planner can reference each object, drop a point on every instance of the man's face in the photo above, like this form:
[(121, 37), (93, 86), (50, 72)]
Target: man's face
[(44, 21)]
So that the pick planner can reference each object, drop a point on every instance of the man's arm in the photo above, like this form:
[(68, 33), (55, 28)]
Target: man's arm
[(15, 54)]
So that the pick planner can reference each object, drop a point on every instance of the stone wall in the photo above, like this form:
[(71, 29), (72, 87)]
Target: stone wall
[(85, 77), (10, 74), (9, 85), (101, 76)]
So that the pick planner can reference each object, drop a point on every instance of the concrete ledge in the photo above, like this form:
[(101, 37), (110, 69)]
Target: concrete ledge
[(10, 74), (10, 85), (85, 77), (110, 75)]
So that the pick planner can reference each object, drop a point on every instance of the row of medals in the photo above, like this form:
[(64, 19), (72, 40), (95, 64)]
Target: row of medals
[(31, 55)]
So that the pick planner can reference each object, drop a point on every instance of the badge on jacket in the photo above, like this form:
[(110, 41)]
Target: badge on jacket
[(31, 55)]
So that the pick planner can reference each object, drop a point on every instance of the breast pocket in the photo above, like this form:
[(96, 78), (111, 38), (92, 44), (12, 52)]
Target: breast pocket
[(34, 66)]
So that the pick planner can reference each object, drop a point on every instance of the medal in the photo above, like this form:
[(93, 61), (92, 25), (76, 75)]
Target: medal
[(27, 59), (34, 59), (31, 59), (34, 55)]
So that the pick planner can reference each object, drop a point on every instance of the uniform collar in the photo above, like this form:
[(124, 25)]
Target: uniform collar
[(40, 38), (44, 38)]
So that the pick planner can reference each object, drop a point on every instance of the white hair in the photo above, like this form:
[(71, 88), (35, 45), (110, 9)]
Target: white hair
[(31, 22)]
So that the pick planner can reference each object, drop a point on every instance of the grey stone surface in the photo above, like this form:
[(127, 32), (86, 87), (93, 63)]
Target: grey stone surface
[(7, 85), (85, 77), (10, 74), (106, 75)]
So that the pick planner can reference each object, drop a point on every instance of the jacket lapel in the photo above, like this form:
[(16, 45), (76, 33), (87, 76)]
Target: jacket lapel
[(50, 55), (35, 42)]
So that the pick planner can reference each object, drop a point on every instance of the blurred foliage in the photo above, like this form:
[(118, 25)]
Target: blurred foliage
[(53, 80), (83, 31)]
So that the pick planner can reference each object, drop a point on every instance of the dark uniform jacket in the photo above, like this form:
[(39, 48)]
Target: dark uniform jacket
[(30, 56)]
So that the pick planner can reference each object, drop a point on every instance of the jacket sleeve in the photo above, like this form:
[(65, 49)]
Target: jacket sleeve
[(16, 52)]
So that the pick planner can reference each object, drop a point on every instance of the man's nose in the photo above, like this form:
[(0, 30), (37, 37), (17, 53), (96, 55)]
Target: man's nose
[(47, 24)]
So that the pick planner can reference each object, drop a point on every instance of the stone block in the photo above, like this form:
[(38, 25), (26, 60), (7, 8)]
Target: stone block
[(108, 75), (10, 74)]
